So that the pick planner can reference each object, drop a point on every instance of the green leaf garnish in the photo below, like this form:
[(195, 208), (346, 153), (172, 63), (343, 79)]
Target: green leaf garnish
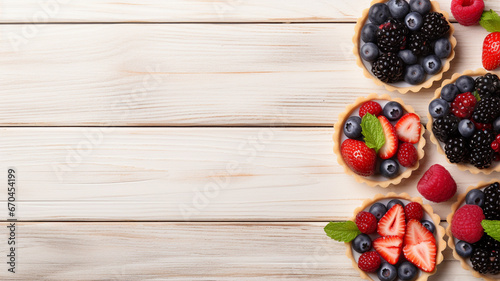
[(342, 231), (476, 94), (490, 20), (492, 228), (372, 131)]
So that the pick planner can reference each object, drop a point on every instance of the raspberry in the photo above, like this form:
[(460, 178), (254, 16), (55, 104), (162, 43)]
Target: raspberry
[(463, 105), (371, 107), (366, 222), (369, 261), (482, 126), (436, 184), (407, 155), (414, 210), (466, 223), (467, 12)]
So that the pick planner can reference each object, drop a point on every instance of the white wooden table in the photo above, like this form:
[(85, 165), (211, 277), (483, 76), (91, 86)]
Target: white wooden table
[(187, 139)]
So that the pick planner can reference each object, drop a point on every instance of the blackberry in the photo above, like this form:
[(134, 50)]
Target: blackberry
[(494, 262), (435, 25), (457, 149), (487, 242), (419, 44), (446, 127), (487, 110), (388, 68), (391, 36), (481, 154), (480, 260), (487, 85), (491, 207)]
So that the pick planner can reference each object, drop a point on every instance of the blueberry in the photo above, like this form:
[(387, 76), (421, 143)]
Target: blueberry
[(439, 108), (389, 168), (408, 57), (432, 64), (352, 127), (407, 271), (387, 272), (464, 249), (379, 13), (414, 74), (378, 210), (362, 243), (414, 21), (369, 52), (393, 110), (394, 202), (369, 33), (442, 48), (465, 84), (449, 92), (398, 8), (466, 128), (429, 225), (475, 197), (496, 125), (420, 6)]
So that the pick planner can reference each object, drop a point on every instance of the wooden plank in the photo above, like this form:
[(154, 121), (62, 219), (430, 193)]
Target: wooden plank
[(185, 251), (191, 74), (189, 174)]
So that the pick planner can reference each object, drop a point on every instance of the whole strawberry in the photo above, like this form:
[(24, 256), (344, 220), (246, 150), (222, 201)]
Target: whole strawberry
[(467, 12), (359, 157), (491, 51)]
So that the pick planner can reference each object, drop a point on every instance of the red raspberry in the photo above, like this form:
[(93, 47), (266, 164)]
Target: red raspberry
[(407, 155), (463, 105), (369, 261), (498, 138), (467, 12), (495, 146), (371, 107), (466, 223), (436, 184), (366, 222), (414, 210), (482, 126)]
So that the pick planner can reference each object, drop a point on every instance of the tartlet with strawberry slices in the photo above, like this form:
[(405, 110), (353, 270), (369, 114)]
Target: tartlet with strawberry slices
[(379, 140)]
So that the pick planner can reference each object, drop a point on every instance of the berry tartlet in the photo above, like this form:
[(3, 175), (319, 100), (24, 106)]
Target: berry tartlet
[(474, 230), (392, 237), (464, 120), (404, 45), (379, 140)]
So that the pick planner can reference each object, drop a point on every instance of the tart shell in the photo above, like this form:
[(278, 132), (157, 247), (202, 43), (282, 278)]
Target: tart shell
[(412, 88), (337, 139)]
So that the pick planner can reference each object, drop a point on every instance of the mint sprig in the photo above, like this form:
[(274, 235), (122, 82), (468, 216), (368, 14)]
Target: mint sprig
[(490, 20), (342, 231), (476, 95), (372, 131), (492, 228)]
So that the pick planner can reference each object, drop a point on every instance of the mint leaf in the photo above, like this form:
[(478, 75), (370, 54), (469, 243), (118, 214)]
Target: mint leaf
[(342, 231), (490, 20), (476, 94), (492, 228), (372, 131)]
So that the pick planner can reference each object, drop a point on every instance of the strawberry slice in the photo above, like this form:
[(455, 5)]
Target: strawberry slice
[(390, 147), (389, 248), (393, 222), (422, 255), (416, 233), (408, 128)]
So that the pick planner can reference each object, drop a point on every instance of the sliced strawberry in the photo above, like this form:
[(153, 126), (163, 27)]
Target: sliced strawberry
[(390, 147), (393, 222), (389, 248), (408, 128), (417, 233), (422, 255)]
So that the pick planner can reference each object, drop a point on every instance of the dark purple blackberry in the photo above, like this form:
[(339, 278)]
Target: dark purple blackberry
[(388, 68), (495, 262), (446, 127), (457, 149), (491, 208), (481, 155), (480, 260), (487, 242), (487, 110), (419, 44), (435, 26), (391, 36), (487, 85)]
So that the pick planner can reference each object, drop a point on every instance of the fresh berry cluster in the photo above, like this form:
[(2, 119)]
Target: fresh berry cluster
[(474, 243), (405, 41), (467, 120), (395, 241), (387, 133)]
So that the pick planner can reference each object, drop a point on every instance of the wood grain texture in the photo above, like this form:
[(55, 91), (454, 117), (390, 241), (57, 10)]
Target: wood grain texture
[(192, 75)]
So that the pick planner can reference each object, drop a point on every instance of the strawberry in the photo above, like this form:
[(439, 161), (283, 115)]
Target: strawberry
[(423, 255), (393, 222), (408, 128), (389, 248), (390, 146), (467, 12), (413, 210), (463, 105), (416, 233), (372, 107), (359, 157), (491, 51)]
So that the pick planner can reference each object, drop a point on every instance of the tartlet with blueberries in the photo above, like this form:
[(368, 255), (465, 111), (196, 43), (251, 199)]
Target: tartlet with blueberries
[(405, 46)]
